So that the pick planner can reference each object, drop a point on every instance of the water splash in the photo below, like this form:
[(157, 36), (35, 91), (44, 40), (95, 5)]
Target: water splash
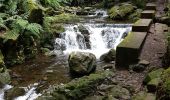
[(102, 37)]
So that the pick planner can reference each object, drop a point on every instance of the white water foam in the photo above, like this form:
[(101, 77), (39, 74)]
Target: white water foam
[(103, 37)]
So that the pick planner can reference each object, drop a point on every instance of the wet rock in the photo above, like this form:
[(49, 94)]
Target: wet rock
[(152, 75), (124, 35), (144, 96), (5, 77), (108, 57), (13, 93), (83, 30), (86, 34), (108, 66), (82, 12), (60, 44), (137, 67), (141, 66), (120, 93), (4, 73), (82, 63)]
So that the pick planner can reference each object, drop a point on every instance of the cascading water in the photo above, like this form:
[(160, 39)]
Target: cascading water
[(102, 37), (99, 13)]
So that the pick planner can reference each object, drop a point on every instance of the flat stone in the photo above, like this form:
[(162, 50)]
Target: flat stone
[(150, 6), (128, 50), (150, 14), (142, 25), (144, 62)]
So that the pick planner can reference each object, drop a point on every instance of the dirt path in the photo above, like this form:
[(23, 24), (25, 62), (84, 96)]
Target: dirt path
[(153, 50)]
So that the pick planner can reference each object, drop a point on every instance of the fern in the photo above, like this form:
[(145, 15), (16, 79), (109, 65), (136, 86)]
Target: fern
[(34, 29), (11, 34), (20, 24)]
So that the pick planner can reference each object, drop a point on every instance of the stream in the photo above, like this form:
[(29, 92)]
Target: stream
[(38, 74)]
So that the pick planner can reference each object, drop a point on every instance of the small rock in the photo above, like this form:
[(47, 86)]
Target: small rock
[(144, 62), (108, 66), (137, 67)]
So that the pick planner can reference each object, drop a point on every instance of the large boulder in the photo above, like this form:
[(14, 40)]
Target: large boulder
[(82, 63), (121, 12), (108, 57)]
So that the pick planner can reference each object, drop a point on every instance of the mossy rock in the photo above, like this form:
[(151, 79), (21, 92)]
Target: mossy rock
[(13, 93), (119, 12), (110, 56), (81, 63), (78, 88), (163, 91), (144, 96), (152, 75), (120, 93), (153, 84)]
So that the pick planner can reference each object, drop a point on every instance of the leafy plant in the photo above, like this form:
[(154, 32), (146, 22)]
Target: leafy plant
[(21, 27)]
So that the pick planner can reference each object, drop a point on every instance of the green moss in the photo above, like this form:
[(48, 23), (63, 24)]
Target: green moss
[(119, 12), (135, 15), (152, 75), (144, 96), (78, 88)]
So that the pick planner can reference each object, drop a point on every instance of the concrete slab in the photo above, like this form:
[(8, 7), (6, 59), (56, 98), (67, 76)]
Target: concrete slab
[(150, 6), (142, 25), (148, 14), (128, 50)]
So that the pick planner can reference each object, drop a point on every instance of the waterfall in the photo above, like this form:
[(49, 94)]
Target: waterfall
[(96, 38), (99, 13)]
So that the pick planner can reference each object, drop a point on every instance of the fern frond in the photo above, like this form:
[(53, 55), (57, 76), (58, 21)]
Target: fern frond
[(34, 29), (20, 24), (11, 34)]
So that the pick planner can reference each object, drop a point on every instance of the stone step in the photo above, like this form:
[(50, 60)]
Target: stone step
[(128, 50), (150, 6), (148, 14), (142, 25)]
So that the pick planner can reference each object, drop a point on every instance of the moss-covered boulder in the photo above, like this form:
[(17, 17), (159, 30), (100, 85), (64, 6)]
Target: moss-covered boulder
[(110, 56), (12, 93), (78, 88), (82, 63), (153, 85), (120, 93), (144, 96), (153, 75), (121, 12)]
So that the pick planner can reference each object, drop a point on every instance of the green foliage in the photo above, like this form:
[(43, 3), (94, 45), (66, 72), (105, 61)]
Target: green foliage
[(34, 29), (21, 27), (54, 3), (119, 12), (139, 3), (12, 34), (54, 24), (135, 16)]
